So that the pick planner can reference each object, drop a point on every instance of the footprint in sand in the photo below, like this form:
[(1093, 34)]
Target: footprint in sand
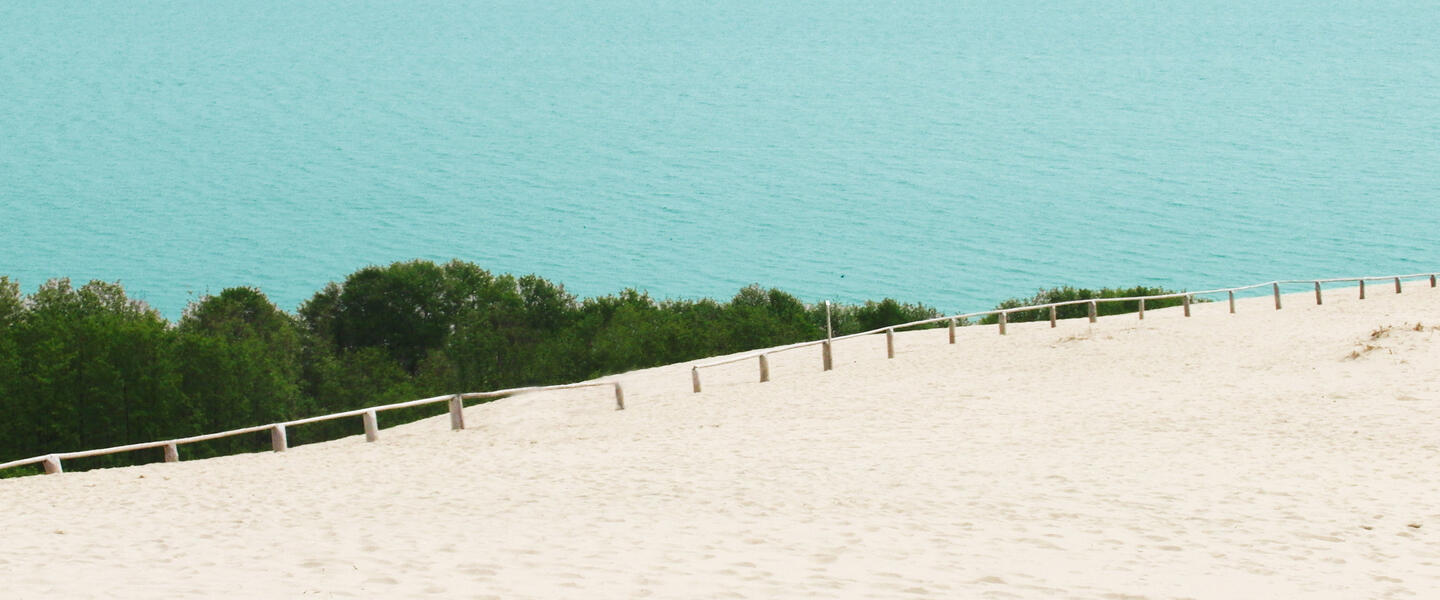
[(477, 571)]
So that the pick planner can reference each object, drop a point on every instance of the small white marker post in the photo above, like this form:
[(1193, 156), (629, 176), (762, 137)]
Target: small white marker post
[(172, 454), (695, 379), (278, 441), (1002, 321), (952, 331), (890, 343), (764, 369), (372, 426)]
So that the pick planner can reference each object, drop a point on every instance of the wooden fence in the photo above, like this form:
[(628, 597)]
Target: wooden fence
[(278, 438), (279, 442), (1002, 317)]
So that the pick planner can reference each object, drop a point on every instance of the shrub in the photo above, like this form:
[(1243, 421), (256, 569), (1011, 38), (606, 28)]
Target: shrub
[(1076, 311)]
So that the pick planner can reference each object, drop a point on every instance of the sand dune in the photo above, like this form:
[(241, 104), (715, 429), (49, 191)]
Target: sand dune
[(1259, 455)]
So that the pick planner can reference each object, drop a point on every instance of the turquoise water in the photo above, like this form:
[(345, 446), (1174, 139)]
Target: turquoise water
[(954, 153)]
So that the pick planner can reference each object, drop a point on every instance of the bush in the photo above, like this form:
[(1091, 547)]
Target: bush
[(1076, 311), (847, 319)]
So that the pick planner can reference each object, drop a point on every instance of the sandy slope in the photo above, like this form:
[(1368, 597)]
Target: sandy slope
[(1244, 456)]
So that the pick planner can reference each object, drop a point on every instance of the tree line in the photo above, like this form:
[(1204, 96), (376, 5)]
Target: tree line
[(87, 367)]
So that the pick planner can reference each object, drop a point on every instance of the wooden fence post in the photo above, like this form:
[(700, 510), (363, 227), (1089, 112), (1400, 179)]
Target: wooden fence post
[(52, 465), (1397, 285), (890, 343), (457, 413), (1362, 289), (1232, 302), (825, 358), (1277, 295), (1142, 309), (1185, 300), (372, 426), (1003, 319), (1432, 281), (1318, 299), (172, 454), (1092, 311), (764, 369), (278, 442), (619, 397), (1052, 317), (952, 331), (695, 380)]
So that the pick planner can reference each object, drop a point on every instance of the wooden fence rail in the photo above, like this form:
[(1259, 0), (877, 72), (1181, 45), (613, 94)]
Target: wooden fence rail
[(369, 416), (279, 440), (1002, 318)]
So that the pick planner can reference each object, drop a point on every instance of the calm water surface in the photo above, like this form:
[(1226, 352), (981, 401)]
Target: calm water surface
[(950, 152)]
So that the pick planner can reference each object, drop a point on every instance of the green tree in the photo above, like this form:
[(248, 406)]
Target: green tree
[(760, 318), (94, 369), (14, 429), (409, 308), (240, 360)]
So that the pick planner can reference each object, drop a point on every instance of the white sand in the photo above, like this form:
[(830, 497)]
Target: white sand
[(1220, 456)]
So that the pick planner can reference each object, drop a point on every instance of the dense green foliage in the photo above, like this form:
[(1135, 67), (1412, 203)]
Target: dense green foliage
[(87, 367), (1076, 311)]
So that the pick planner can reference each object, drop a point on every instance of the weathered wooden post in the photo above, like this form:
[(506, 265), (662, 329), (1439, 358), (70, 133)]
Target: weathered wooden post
[(1397, 285), (1362, 289), (619, 397), (1318, 299), (1276, 286), (825, 358), (172, 454), (457, 413), (890, 343), (1003, 319), (1185, 300), (1142, 309), (1432, 281), (695, 379), (1232, 302), (764, 369), (52, 465), (278, 442), (1052, 317), (372, 426), (952, 331), (1093, 311)]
